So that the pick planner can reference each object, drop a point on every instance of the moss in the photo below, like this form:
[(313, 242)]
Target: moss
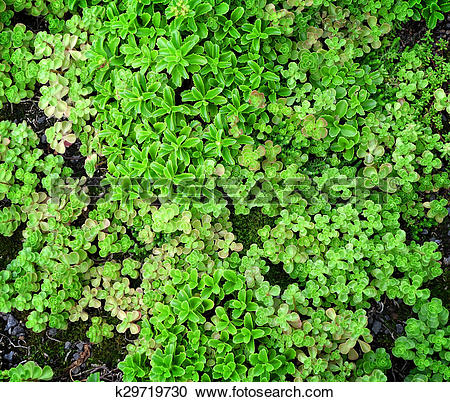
[(42, 349), (439, 287), (10, 247), (278, 276), (245, 227), (51, 352), (112, 351)]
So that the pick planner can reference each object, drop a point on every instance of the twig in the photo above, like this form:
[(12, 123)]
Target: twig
[(382, 307), (92, 370), (53, 339), (84, 355), (11, 342), (67, 355), (111, 375), (393, 374)]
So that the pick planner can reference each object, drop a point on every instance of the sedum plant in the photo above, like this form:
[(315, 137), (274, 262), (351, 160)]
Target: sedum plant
[(258, 179), (29, 371)]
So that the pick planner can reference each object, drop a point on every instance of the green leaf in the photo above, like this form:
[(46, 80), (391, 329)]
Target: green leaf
[(212, 93), (348, 131), (237, 14), (182, 177), (191, 142), (157, 168), (341, 108), (269, 76), (202, 9), (196, 59), (254, 66), (221, 9), (369, 104), (199, 84)]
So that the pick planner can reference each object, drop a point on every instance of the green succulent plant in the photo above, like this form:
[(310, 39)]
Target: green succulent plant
[(259, 178), (29, 371)]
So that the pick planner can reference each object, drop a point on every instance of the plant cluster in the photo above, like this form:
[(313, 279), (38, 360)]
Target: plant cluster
[(242, 145), (29, 371), (426, 342)]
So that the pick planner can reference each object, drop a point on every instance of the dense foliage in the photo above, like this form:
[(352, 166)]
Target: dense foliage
[(226, 148)]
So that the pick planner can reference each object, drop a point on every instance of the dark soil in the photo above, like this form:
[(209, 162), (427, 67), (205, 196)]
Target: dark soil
[(442, 30), (29, 111), (387, 320), (74, 159), (5, 203), (445, 121), (10, 247), (59, 349), (32, 23), (413, 31), (278, 276), (186, 85)]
